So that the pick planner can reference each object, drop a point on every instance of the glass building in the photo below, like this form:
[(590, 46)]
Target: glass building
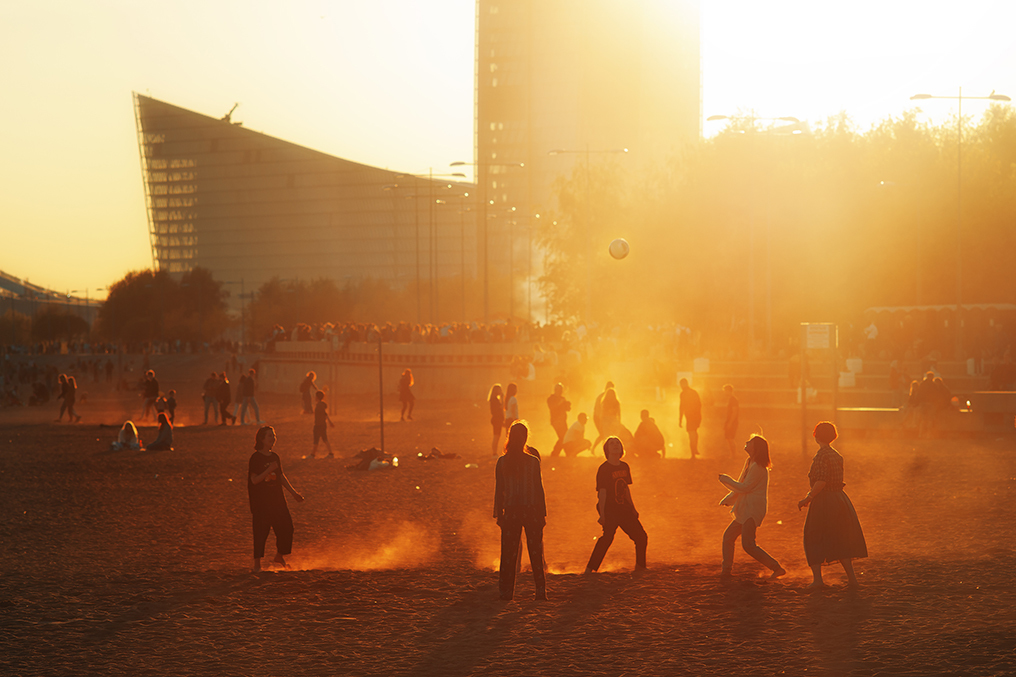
[(250, 207)]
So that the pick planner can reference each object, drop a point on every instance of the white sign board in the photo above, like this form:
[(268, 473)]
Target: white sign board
[(819, 336)]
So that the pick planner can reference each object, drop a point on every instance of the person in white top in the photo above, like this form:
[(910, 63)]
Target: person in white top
[(747, 501), (511, 406)]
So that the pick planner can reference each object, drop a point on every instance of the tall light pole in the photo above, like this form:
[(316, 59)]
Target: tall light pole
[(589, 228), (959, 199), (481, 180), (793, 128)]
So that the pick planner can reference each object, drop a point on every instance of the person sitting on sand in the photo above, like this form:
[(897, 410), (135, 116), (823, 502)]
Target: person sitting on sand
[(164, 441), (268, 508), (520, 504), (127, 439), (616, 507), (649, 442), (748, 501), (832, 532)]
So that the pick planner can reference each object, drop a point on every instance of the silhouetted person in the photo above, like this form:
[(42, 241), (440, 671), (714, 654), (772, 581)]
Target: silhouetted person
[(406, 396), (575, 439), (520, 504), (70, 396), (649, 440), (616, 507), (127, 439), (610, 416), (150, 393), (171, 406), (832, 532), (732, 421), (559, 408), (494, 399), (265, 481), (61, 383), (164, 440), (321, 420), (210, 395), (511, 406), (598, 411), (927, 395), (224, 395), (748, 503), (691, 414), (245, 393), (306, 386)]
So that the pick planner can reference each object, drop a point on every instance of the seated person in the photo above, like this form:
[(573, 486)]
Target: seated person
[(127, 439), (648, 438), (575, 439), (164, 441)]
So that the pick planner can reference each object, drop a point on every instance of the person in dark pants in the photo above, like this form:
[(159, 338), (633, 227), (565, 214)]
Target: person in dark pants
[(616, 507), (691, 413), (265, 481), (406, 394), (224, 396), (520, 504), (559, 408)]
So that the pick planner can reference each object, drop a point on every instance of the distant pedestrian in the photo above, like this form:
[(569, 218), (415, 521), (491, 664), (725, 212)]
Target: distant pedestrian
[(559, 408), (832, 532), (748, 501), (210, 396), (171, 406), (406, 394), (616, 507), (520, 504), (224, 395), (511, 406), (691, 414), (321, 420), (70, 398), (150, 393), (265, 482), (247, 389), (496, 402), (306, 386), (598, 411), (61, 383)]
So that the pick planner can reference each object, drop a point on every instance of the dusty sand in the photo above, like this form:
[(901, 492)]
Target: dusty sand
[(139, 563)]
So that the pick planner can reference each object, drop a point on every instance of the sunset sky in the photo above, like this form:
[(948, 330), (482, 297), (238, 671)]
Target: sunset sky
[(389, 83)]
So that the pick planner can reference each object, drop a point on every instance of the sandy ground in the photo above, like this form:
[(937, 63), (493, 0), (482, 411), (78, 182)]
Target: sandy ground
[(139, 563)]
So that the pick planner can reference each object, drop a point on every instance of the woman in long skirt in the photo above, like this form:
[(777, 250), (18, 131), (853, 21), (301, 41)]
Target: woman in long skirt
[(832, 532)]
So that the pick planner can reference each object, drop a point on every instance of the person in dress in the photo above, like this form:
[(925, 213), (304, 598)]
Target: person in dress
[(832, 532), (748, 502), (269, 511), (406, 396), (520, 504), (496, 402)]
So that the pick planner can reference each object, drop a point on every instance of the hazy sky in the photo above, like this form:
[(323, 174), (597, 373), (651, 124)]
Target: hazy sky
[(389, 83)]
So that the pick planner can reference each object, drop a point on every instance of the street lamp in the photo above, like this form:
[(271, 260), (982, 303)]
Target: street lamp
[(589, 238), (481, 180), (959, 195), (793, 128)]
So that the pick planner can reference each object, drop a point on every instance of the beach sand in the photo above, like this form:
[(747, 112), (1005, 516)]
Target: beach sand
[(140, 563)]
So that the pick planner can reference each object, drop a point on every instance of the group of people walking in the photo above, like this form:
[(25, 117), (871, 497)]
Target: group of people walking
[(832, 532)]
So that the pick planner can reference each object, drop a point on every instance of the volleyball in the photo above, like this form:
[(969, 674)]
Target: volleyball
[(619, 248)]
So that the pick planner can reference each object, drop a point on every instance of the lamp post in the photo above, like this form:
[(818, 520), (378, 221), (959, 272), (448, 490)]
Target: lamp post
[(959, 201), (589, 235), (481, 180), (432, 256), (793, 128)]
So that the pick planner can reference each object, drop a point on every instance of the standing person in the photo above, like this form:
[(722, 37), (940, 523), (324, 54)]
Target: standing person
[(241, 388), (511, 406), (406, 394), (150, 393), (61, 382), (575, 439), (70, 397), (247, 389), (171, 405), (616, 507), (224, 395), (610, 416), (559, 408), (748, 503), (496, 402), (832, 532), (691, 414), (265, 481), (648, 439), (209, 393), (306, 385), (321, 419), (733, 417), (598, 411), (520, 503)]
